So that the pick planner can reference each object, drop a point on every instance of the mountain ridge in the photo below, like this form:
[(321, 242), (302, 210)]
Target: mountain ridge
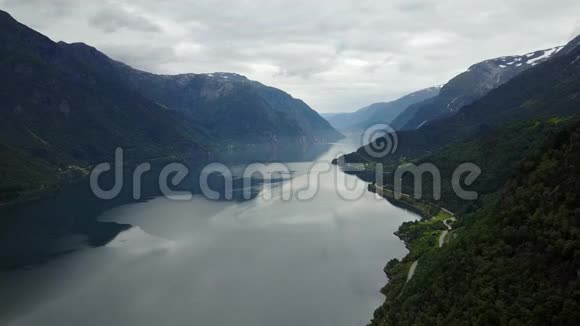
[(380, 112), (546, 90), (469, 86), (223, 102), (66, 107)]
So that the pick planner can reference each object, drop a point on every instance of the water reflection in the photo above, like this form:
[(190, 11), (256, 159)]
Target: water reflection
[(37, 232), (263, 261)]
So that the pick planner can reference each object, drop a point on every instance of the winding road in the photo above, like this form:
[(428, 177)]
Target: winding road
[(441, 241), (412, 269), (444, 233), (380, 191)]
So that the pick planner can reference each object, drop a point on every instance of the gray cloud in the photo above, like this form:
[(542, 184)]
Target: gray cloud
[(111, 20), (337, 55), (576, 30)]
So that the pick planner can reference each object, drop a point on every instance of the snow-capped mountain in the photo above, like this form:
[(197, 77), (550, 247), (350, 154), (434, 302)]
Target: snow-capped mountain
[(469, 86)]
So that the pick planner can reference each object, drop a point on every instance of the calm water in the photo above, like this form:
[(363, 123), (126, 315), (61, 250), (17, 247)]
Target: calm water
[(75, 260)]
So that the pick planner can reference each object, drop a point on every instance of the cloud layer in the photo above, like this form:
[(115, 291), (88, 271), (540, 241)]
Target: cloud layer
[(336, 55)]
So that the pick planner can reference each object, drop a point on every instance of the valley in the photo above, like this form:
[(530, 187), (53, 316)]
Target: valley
[(267, 163)]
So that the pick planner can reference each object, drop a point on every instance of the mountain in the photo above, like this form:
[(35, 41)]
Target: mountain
[(236, 109), (513, 258), (511, 255), (468, 87), (65, 107), (59, 115), (382, 112), (546, 90)]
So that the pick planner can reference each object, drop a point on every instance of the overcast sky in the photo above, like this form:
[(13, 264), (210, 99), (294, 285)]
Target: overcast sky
[(335, 55)]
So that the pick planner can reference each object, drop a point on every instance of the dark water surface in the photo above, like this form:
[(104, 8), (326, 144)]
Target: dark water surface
[(78, 260)]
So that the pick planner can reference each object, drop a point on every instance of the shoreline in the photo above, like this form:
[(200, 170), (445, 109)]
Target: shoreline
[(420, 237)]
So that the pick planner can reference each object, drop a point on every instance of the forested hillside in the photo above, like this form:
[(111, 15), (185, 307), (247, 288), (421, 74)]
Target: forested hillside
[(66, 107), (514, 261), (512, 257), (58, 115)]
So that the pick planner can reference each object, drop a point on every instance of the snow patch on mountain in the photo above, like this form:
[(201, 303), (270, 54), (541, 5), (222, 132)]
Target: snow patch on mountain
[(532, 58), (547, 53)]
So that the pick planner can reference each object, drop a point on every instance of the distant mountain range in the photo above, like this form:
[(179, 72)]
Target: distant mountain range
[(541, 91), (382, 112), (428, 105), (65, 107), (468, 87)]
